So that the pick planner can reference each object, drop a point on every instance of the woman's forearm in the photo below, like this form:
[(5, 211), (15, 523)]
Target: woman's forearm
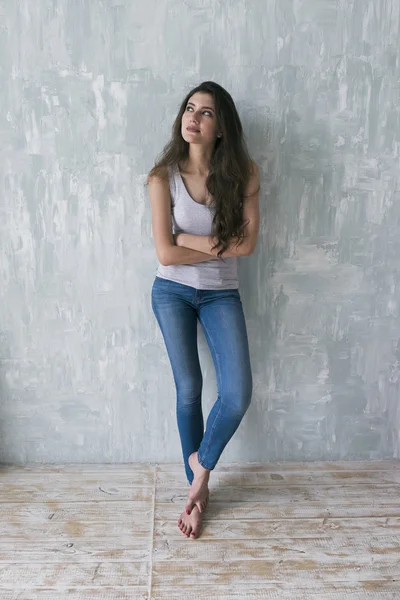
[(174, 255), (205, 243)]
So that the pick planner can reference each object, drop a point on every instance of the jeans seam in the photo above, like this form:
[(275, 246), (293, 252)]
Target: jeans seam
[(219, 395)]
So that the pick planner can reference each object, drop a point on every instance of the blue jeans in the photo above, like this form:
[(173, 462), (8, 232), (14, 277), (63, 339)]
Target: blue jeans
[(177, 308)]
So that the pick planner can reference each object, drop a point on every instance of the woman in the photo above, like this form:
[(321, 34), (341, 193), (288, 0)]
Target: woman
[(205, 213)]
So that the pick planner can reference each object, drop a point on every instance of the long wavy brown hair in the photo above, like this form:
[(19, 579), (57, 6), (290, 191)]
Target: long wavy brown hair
[(230, 164)]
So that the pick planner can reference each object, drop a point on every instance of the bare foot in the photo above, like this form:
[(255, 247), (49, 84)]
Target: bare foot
[(190, 525), (198, 493)]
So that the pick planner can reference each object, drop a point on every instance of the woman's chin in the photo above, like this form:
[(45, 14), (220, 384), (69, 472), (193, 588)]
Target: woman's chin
[(193, 138)]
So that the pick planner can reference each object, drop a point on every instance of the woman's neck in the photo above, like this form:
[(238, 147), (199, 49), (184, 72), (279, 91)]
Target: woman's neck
[(198, 161)]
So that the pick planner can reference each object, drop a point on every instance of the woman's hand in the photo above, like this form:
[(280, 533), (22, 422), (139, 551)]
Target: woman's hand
[(178, 238)]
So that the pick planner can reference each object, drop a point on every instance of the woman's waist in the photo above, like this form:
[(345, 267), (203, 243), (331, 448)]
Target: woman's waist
[(211, 274), (225, 264)]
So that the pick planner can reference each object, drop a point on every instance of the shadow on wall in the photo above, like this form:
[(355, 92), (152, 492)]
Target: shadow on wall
[(298, 182), (320, 296), (299, 197)]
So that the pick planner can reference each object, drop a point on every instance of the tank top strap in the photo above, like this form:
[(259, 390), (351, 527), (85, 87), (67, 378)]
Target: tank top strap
[(173, 176)]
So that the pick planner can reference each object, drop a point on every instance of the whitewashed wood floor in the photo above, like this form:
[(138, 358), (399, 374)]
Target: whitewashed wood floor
[(287, 531)]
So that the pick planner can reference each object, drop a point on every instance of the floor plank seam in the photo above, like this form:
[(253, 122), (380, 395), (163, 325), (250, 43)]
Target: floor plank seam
[(152, 532)]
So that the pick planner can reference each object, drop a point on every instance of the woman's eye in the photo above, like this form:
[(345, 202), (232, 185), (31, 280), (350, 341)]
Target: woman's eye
[(205, 112)]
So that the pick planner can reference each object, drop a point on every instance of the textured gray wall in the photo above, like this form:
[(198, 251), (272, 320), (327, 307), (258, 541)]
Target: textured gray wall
[(88, 94)]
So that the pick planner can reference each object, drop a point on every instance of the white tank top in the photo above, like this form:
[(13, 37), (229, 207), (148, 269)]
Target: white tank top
[(189, 216)]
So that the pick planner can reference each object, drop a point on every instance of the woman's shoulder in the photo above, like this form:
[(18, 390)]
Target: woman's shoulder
[(159, 174), (163, 173)]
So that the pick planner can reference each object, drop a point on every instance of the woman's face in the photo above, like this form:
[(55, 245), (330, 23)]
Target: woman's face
[(199, 121)]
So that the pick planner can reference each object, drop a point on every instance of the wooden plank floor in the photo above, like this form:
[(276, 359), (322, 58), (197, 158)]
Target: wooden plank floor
[(287, 531)]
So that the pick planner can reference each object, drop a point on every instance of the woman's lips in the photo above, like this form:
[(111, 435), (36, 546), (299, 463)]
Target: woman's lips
[(193, 129)]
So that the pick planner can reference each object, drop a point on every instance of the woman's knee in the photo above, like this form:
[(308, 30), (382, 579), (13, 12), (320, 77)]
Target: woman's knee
[(189, 391), (238, 399)]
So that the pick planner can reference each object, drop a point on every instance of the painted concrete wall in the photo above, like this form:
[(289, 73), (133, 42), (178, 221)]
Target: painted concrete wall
[(88, 94)]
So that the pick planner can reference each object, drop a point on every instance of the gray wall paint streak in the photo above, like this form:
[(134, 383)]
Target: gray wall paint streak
[(89, 91)]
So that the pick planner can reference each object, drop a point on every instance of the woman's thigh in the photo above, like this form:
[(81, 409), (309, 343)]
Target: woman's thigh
[(222, 318), (177, 319)]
